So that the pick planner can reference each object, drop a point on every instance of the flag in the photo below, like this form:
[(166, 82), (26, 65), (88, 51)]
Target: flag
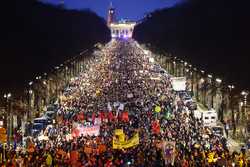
[(156, 127), (102, 116), (120, 134), (126, 144), (125, 117), (110, 116)]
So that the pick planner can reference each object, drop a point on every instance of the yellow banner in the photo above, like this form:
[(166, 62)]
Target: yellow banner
[(120, 134), (126, 144)]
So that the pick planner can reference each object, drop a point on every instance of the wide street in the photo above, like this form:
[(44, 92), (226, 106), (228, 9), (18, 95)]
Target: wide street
[(122, 110)]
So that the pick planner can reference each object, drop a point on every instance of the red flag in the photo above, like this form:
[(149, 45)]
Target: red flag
[(125, 116), (102, 116), (110, 116), (156, 127)]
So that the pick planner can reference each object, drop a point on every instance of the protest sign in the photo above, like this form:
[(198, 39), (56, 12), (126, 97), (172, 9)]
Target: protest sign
[(126, 144), (86, 130), (169, 152)]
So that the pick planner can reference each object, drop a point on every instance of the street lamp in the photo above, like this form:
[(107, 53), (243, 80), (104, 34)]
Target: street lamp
[(231, 87), (7, 96), (29, 101), (245, 94), (9, 116), (218, 80), (174, 68), (219, 98)]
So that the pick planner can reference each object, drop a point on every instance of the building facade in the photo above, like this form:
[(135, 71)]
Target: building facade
[(121, 29)]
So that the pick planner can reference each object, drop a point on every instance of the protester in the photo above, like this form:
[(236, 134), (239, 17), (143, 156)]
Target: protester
[(123, 93)]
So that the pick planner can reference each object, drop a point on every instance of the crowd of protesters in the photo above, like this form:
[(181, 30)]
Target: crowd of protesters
[(123, 88)]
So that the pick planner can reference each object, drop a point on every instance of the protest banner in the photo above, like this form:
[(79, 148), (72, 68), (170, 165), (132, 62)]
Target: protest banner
[(126, 144), (169, 152), (120, 134), (86, 130)]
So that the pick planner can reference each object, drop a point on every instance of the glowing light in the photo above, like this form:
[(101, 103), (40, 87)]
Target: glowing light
[(146, 52), (218, 80), (210, 76), (244, 93), (231, 86)]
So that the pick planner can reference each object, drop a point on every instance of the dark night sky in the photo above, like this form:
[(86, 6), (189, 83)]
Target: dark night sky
[(131, 9)]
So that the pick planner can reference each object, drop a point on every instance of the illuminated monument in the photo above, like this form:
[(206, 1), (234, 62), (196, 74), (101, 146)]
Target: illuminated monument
[(120, 29)]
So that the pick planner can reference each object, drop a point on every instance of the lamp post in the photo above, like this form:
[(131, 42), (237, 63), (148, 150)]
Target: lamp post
[(231, 87), (211, 91), (202, 97), (9, 116), (218, 97), (244, 112), (245, 94), (30, 93), (29, 115), (174, 68)]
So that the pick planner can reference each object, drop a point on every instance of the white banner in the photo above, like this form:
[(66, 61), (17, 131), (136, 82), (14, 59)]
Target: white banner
[(86, 130), (179, 83)]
